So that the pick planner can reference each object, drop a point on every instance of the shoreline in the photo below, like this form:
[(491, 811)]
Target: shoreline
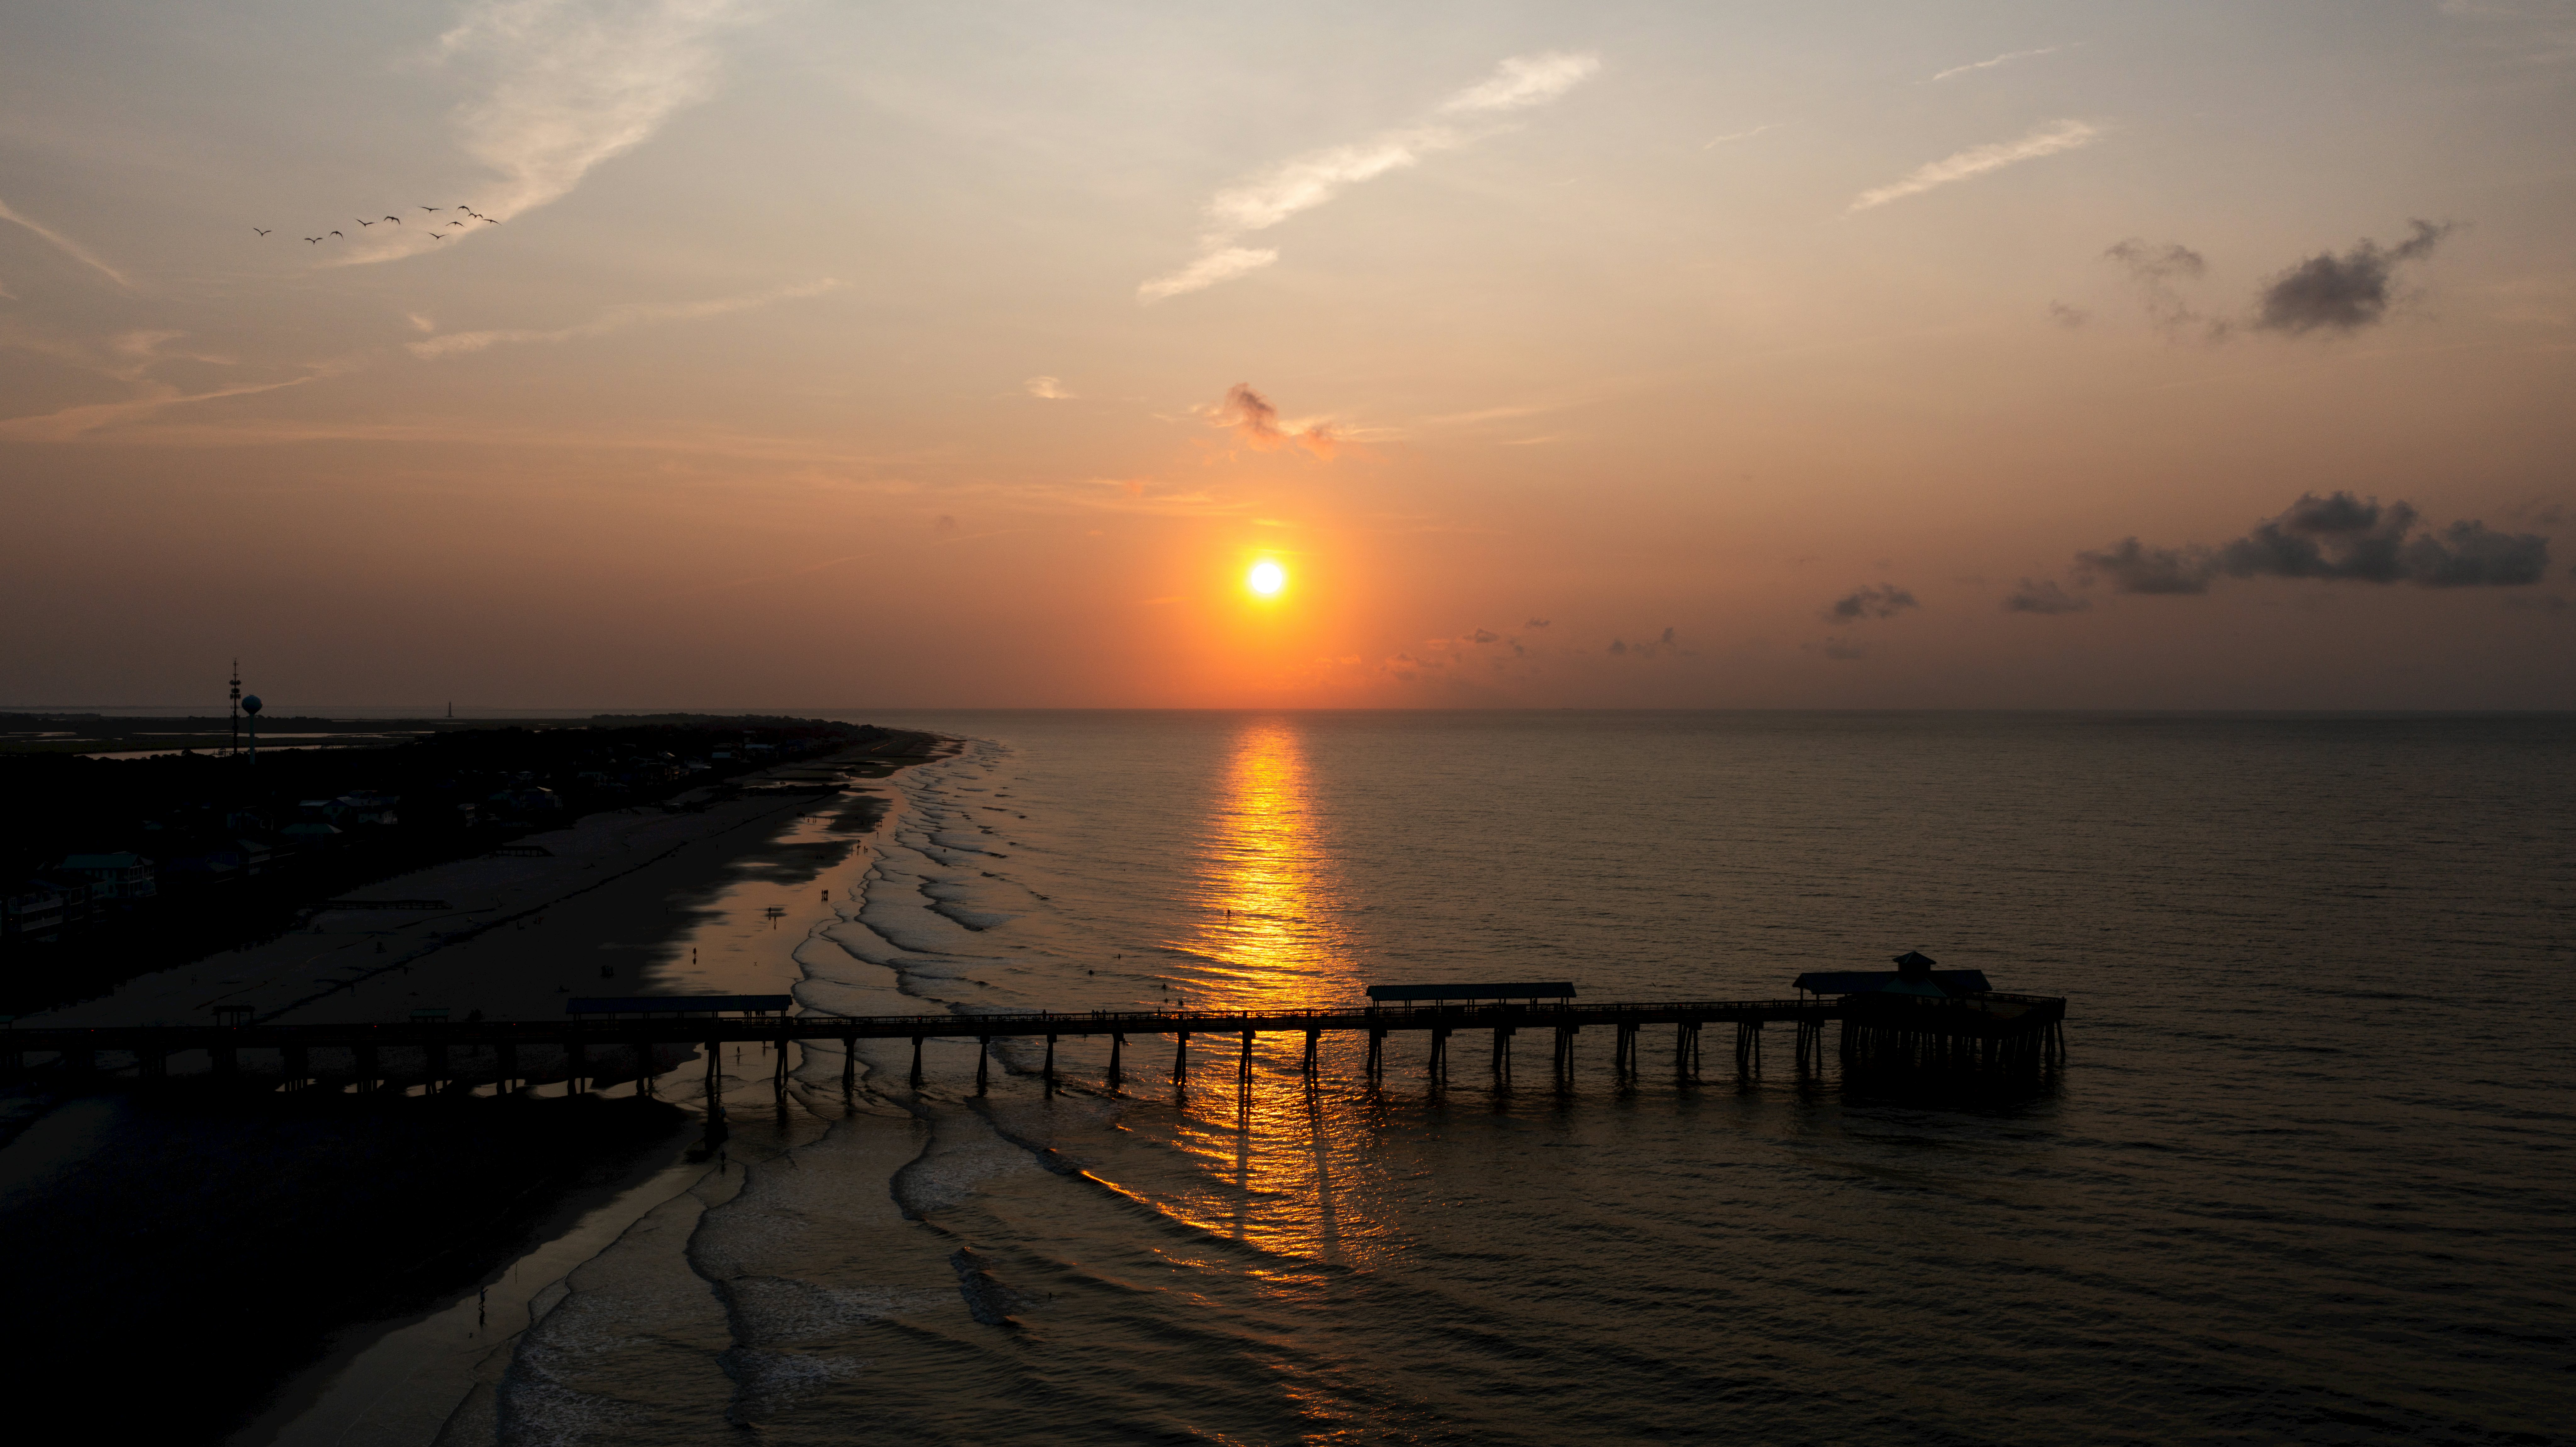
[(627, 904)]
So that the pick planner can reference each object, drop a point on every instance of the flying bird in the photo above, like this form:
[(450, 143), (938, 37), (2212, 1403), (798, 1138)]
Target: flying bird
[(455, 223), (434, 236), (263, 233), (363, 221), (312, 238), (395, 220), (433, 208), (343, 238)]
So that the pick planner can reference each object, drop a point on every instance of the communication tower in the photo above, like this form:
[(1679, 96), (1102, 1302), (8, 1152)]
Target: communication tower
[(236, 713)]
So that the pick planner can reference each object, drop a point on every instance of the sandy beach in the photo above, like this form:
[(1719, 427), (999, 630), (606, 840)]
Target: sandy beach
[(600, 913), (320, 1223)]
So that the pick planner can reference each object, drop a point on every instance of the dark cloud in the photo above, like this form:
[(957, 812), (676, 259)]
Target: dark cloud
[(2471, 555), (2069, 317), (1862, 603), (946, 524), (2149, 262), (1486, 635), (1540, 622), (1255, 423), (2337, 538), (2343, 293), (1841, 649), (1663, 645), (2157, 271), (2044, 597), (2134, 568)]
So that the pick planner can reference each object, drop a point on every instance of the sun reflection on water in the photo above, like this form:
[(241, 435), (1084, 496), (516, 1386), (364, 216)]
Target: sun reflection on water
[(1272, 1155), (1264, 926)]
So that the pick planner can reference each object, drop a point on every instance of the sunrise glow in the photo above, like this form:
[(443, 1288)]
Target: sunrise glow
[(1266, 578)]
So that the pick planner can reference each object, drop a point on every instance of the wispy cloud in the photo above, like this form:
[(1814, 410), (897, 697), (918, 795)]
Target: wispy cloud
[(1304, 182), (566, 84), (1733, 136), (1051, 389), (71, 422), (67, 247), (615, 319), (1978, 160), (2007, 58)]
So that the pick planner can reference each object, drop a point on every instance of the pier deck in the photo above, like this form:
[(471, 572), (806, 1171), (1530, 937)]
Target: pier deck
[(1984, 1029)]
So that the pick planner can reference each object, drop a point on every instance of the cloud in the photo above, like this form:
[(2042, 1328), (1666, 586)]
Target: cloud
[(1977, 161), (67, 247), (1050, 388), (2335, 538), (1256, 425), (2155, 270), (567, 84), (1524, 81), (944, 525), (2069, 317), (71, 422), (1302, 183), (2135, 568), (2007, 58), (1540, 622), (2343, 293), (1216, 266), (1663, 645), (1865, 603), (1734, 136), (615, 319), (2045, 598)]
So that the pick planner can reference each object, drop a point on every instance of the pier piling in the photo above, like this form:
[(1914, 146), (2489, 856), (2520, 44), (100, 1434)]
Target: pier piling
[(983, 1061)]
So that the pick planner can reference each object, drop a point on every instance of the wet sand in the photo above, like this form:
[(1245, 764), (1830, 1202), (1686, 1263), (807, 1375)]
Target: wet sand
[(318, 1228)]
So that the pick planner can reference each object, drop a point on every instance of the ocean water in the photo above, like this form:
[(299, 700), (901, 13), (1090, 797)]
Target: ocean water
[(2304, 1176)]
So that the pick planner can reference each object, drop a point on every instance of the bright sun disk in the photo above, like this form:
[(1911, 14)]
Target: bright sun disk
[(1266, 578)]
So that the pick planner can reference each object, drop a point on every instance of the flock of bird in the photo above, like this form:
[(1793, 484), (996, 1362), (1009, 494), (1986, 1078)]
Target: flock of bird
[(435, 233)]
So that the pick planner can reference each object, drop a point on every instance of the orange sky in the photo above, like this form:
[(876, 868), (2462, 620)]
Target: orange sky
[(792, 355)]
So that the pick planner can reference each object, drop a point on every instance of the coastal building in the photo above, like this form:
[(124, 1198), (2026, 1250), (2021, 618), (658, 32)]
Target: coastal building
[(122, 879), (36, 911)]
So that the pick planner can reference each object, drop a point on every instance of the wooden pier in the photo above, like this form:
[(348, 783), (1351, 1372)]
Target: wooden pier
[(1983, 1032)]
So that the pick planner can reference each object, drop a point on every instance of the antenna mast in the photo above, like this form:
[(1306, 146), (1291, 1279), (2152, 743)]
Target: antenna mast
[(236, 714)]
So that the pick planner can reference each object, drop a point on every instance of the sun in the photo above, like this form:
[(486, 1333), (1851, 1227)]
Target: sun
[(1266, 578)]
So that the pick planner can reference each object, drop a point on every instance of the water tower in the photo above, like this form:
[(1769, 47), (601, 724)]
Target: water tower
[(250, 705)]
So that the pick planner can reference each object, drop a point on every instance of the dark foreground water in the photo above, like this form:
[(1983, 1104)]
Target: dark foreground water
[(2305, 1175)]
